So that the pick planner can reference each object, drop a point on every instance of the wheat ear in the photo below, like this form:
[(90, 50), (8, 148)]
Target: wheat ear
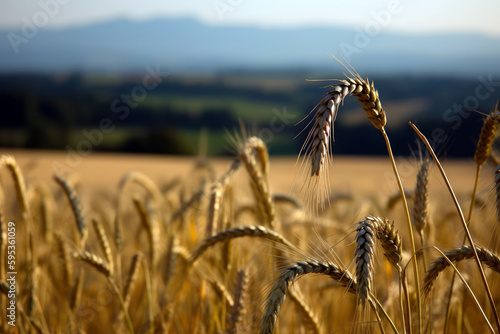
[(421, 201), (131, 279), (497, 190), (150, 226), (487, 136), (66, 257), (221, 291), (76, 207), (214, 204), (104, 243), (238, 309), (457, 255), (95, 261), (363, 253), (169, 261), (46, 210), (318, 142), (239, 232), (215, 199), (256, 161), (11, 164), (290, 275), (390, 240)]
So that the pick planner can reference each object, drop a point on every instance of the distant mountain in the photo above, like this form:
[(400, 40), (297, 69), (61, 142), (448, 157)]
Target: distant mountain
[(187, 45)]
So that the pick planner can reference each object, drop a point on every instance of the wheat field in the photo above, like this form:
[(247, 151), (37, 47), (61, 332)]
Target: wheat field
[(149, 244)]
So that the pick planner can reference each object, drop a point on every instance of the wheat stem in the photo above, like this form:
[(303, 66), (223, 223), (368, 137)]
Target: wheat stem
[(464, 224), (469, 217), (409, 225)]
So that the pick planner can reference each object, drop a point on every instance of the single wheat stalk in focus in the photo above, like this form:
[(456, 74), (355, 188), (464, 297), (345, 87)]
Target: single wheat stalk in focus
[(317, 146)]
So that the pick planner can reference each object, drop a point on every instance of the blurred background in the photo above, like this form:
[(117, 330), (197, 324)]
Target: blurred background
[(172, 77)]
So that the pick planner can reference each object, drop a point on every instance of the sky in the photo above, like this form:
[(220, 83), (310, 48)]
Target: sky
[(404, 16)]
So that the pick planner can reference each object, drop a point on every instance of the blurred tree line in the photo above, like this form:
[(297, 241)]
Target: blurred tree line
[(51, 111)]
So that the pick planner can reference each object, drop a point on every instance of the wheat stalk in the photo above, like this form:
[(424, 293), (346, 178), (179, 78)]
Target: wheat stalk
[(457, 255), (214, 204), (290, 275), (363, 253), (66, 256), (497, 191), (317, 146), (215, 198), (239, 232), (390, 240), (421, 202), (11, 164), (76, 294), (46, 211), (76, 207), (131, 279), (169, 260), (221, 291), (104, 243), (487, 136), (94, 261), (248, 152), (150, 226), (238, 308)]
